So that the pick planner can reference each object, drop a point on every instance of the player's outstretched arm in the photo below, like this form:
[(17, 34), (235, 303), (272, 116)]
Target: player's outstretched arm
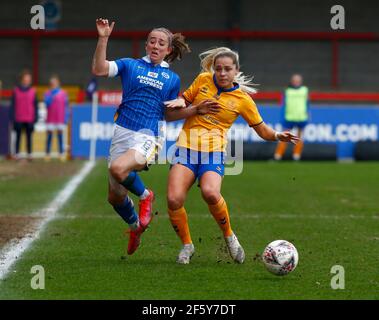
[(100, 65), (176, 103), (180, 109), (269, 134)]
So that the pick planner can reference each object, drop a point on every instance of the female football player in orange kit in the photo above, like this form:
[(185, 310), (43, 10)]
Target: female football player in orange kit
[(202, 142)]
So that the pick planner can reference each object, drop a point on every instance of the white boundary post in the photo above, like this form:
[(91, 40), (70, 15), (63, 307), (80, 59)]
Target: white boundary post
[(92, 150)]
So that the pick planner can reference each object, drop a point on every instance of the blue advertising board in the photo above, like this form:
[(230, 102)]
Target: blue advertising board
[(82, 130), (343, 125)]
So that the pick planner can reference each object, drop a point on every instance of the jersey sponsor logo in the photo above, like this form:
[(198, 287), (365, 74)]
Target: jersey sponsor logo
[(211, 119), (152, 74), (165, 75), (204, 90), (151, 82)]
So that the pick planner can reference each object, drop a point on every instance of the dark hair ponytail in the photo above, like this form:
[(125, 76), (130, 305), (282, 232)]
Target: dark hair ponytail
[(176, 42), (179, 48)]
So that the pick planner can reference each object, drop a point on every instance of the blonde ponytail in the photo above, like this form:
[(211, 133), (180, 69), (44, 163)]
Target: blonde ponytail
[(208, 58)]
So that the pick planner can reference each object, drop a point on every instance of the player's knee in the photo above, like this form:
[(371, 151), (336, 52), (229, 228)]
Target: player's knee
[(210, 195), (118, 171), (175, 201)]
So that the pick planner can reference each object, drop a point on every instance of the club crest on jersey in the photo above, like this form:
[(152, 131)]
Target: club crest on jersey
[(231, 105), (165, 75), (152, 74)]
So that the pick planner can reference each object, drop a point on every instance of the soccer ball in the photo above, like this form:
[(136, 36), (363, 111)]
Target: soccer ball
[(280, 257)]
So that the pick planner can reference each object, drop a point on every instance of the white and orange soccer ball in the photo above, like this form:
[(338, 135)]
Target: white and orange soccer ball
[(280, 257)]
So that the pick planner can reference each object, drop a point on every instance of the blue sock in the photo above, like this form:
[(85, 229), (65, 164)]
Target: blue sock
[(60, 142), (134, 184), (126, 211), (48, 142)]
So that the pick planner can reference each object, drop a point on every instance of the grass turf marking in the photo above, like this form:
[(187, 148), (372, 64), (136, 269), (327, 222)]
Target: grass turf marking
[(11, 252)]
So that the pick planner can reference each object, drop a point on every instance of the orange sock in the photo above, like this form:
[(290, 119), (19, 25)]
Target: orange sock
[(179, 222), (221, 214), (280, 150), (298, 149)]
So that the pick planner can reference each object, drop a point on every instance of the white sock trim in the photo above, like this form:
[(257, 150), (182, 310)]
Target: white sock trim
[(144, 195)]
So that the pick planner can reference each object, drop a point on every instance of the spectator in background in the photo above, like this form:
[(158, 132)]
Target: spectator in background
[(295, 115), (56, 100), (24, 111)]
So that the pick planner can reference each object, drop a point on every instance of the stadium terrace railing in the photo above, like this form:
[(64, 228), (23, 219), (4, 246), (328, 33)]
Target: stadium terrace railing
[(234, 34)]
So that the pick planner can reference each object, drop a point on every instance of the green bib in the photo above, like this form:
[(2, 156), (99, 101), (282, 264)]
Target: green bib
[(296, 104)]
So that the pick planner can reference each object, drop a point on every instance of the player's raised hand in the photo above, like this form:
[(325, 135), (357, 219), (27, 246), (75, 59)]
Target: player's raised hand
[(287, 136), (176, 103), (103, 27), (208, 106)]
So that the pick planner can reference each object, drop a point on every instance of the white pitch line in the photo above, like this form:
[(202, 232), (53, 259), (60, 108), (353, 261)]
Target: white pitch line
[(13, 251), (240, 216)]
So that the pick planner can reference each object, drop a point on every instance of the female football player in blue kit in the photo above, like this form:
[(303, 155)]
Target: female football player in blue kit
[(147, 83)]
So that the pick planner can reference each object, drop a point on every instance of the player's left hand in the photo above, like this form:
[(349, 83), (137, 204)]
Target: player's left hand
[(176, 103), (103, 27), (287, 136)]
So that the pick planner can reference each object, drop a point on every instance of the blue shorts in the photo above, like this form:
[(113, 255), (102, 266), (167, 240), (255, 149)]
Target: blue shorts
[(294, 124), (200, 162)]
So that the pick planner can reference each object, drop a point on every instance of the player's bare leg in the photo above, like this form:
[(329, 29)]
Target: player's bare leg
[(180, 181)]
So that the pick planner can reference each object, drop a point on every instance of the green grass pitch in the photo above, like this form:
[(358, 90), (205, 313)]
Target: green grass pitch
[(330, 212)]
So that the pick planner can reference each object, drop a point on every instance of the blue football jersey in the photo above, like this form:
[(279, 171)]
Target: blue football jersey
[(145, 87)]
